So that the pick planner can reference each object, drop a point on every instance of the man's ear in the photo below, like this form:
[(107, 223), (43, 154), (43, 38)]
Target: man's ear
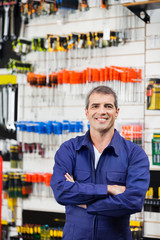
[(86, 112), (117, 112)]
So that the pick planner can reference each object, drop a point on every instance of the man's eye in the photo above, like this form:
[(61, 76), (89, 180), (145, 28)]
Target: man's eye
[(109, 106), (95, 106)]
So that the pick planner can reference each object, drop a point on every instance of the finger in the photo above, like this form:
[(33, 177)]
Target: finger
[(82, 206), (67, 175), (69, 178)]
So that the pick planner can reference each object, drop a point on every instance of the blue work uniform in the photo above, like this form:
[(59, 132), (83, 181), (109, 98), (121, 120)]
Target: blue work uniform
[(107, 216)]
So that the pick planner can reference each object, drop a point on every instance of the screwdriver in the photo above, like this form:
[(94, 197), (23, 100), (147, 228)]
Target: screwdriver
[(50, 137), (14, 156), (65, 130)]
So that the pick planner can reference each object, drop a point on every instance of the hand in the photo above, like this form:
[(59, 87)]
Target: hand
[(82, 206), (116, 189), (69, 178)]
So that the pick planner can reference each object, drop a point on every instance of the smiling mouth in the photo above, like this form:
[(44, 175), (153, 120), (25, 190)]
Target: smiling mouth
[(101, 119)]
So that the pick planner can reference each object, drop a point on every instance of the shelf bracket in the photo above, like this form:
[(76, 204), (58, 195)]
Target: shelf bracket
[(140, 8), (140, 13)]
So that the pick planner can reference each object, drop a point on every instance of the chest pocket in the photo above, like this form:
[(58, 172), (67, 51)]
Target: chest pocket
[(116, 178), (82, 176)]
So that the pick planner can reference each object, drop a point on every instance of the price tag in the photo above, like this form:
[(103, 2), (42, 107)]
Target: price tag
[(106, 34)]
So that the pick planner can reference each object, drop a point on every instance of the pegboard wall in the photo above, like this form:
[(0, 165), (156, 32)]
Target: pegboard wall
[(67, 101)]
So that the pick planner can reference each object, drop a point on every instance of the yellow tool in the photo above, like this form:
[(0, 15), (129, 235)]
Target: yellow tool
[(158, 192), (6, 79), (153, 94), (12, 206)]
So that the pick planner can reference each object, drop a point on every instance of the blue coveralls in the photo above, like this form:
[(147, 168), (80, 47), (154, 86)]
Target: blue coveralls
[(107, 216)]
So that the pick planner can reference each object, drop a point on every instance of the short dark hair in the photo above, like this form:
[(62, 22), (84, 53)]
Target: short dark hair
[(102, 90)]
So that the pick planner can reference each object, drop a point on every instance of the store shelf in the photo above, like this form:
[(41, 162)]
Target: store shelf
[(155, 168), (42, 204), (155, 113), (140, 8), (151, 228)]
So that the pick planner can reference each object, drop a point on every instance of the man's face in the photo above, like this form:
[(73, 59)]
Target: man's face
[(101, 112)]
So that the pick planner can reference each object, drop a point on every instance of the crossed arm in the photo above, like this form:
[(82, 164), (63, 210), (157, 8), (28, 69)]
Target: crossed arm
[(111, 189), (103, 199)]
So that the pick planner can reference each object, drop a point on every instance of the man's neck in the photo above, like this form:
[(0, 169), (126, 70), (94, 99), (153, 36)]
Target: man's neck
[(101, 140)]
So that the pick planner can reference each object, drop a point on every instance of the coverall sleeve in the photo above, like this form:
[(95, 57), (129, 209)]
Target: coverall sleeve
[(131, 200), (68, 193)]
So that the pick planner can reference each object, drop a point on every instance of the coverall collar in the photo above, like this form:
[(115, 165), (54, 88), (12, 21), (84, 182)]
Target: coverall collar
[(114, 144)]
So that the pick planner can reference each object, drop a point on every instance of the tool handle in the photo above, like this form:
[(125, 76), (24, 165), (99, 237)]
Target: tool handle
[(5, 103), (1, 25), (21, 35), (1, 113), (11, 107), (6, 22), (12, 24)]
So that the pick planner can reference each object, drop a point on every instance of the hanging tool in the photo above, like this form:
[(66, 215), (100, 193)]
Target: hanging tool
[(24, 18), (4, 104), (1, 46), (104, 4), (47, 89), (89, 45), (99, 40), (35, 44), (14, 156), (12, 207), (113, 39), (19, 67), (53, 6), (6, 22), (153, 94), (22, 46), (1, 101), (1, 22), (12, 23), (76, 45), (106, 37), (11, 107), (42, 44), (83, 5), (63, 43), (53, 47), (156, 149), (73, 4), (21, 34)]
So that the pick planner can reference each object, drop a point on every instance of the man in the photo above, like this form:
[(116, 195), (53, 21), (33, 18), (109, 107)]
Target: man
[(100, 177)]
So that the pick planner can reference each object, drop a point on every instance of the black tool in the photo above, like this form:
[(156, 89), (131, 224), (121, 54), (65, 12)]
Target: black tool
[(73, 4)]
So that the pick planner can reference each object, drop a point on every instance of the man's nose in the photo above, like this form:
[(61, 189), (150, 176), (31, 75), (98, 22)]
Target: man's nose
[(102, 110)]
